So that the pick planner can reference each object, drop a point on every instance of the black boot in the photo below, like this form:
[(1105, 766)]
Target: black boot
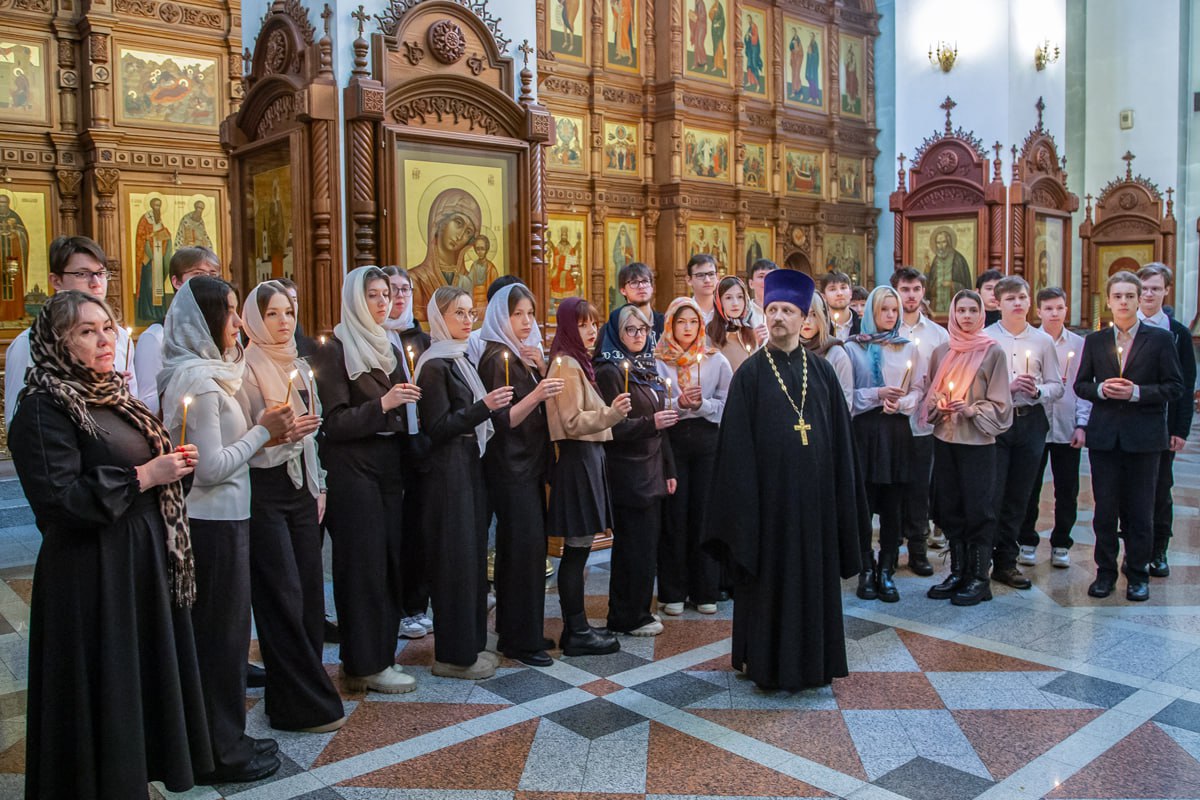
[(866, 578), (954, 581), (580, 639), (977, 585), (918, 561), (1159, 567), (883, 580)]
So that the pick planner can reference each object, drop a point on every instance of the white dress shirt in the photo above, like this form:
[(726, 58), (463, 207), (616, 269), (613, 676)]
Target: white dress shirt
[(1123, 357), (894, 366), (715, 376), (1069, 411), (843, 323), (18, 359), (928, 336), (147, 363), (1159, 320), (1041, 362)]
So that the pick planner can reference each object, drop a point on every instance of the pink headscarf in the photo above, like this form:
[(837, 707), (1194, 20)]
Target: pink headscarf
[(961, 364)]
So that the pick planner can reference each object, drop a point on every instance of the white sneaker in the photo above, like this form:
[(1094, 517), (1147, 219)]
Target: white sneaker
[(674, 609), (937, 540), (1028, 555), (707, 608), (649, 629), (389, 680), (1060, 557), (425, 621), (411, 628)]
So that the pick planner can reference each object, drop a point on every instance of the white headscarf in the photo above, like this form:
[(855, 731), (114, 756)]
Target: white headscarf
[(497, 327), (478, 341), (402, 322), (192, 361), (271, 362), (364, 341), (446, 346)]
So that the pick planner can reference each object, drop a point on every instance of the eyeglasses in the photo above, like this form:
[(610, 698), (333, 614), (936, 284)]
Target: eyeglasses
[(88, 275), (705, 276), (403, 290), (462, 316), (636, 332), (640, 284)]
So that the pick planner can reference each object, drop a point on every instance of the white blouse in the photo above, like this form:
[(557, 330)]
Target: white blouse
[(715, 375), (894, 366)]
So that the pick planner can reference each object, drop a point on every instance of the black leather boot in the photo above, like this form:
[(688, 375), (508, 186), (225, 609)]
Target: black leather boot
[(918, 560), (1159, 567), (581, 639), (954, 581), (866, 578), (884, 584), (977, 585)]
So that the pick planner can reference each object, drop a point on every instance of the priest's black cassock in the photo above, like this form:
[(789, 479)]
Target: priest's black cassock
[(786, 519)]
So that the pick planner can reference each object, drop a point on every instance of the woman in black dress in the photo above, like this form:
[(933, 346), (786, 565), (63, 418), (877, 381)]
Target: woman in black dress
[(456, 412), (114, 697), (405, 333), (641, 472), (365, 399), (516, 466), (580, 423), (287, 504)]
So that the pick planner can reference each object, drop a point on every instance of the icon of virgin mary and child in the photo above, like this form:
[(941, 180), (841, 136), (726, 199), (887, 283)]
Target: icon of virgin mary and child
[(456, 252)]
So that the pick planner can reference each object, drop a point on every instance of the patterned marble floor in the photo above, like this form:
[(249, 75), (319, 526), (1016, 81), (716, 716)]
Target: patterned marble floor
[(1038, 694)]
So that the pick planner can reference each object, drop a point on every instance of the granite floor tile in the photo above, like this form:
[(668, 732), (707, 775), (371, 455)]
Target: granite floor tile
[(555, 763), (595, 718), (938, 655), (679, 635), (322, 794), (885, 652), (617, 766), (601, 687), (1095, 691), (960, 690), (521, 687), (1147, 763), (604, 666), (1185, 673), (1189, 740), (922, 779), (1181, 714), (744, 694), (287, 768), (856, 628), (992, 734), (885, 690), (373, 725), (820, 736), (1144, 655), (677, 689)]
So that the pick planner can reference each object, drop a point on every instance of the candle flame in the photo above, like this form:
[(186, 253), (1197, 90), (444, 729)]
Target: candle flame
[(952, 386), (558, 361), (409, 347), (626, 365), (187, 401), (321, 339), (1120, 350), (1028, 353), (506, 355), (311, 375), (909, 365), (292, 376), (917, 341), (129, 331)]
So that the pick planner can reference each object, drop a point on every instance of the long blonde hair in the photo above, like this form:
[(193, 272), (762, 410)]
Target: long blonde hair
[(823, 339)]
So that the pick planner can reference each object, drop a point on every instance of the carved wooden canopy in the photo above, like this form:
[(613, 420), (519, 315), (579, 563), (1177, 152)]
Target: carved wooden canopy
[(1131, 228), (436, 76), (286, 132), (1040, 228), (947, 189)]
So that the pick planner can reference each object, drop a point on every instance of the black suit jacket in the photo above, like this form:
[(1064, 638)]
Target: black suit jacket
[(855, 323), (1153, 366), (1181, 409)]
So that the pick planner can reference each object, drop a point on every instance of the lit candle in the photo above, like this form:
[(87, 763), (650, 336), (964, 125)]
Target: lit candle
[(558, 364), (1120, 363), (506, 368), (1067, 371), (187, 401), (626, 365), (321, 340), (668, 394), (1028, 353), (412, 362), (699, 362), (950, 385), (291, 377), (907, 372), (312, 391), (128, 346)]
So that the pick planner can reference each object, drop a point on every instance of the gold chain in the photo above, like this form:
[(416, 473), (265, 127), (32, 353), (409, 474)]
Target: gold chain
[(800, 424)]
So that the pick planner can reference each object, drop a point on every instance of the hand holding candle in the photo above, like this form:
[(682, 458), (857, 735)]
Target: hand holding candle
[(412, 362), (1067, 371), (312, 392), (907, 372), (1028, 353), (187, 401), (668, 393), (506, 381), (291, 379), (1120, 362), (626, 366)]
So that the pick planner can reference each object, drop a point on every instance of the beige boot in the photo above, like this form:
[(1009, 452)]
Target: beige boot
[(389, 680), (482, 668)]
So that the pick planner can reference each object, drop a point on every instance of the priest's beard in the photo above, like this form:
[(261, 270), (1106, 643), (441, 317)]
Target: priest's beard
[(783, 339)]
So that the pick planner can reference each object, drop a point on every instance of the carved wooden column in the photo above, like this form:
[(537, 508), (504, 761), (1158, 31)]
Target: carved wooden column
[(100, 76), (896, 206), (108, 233), (651, 218), (323, 111), (364, 109), (68, 201), (595, 291), (740, 222), (68, 84), (1018, 203), (994, 197), (679, 254), (539, 133)]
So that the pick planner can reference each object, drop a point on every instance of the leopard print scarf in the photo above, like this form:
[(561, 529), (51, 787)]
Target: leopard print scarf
[(56, 373)]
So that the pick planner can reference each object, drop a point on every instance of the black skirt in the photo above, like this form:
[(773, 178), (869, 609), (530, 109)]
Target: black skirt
[(579, 502), (885, 447)]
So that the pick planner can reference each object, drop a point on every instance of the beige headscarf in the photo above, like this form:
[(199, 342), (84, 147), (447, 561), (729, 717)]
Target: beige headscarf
[(270, 361), (364, 341)]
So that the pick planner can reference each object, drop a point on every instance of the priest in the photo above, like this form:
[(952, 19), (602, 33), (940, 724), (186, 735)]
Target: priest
[(791, 506)]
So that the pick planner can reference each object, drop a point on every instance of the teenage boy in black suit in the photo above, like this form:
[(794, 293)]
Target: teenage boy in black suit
[(1156, 282), (1128, 372)]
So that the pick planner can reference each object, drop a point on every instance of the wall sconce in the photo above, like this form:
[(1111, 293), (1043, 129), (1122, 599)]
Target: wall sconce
[(1043, 55), (944, 56)]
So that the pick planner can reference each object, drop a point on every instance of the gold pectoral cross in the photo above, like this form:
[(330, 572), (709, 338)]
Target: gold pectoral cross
[(804, 428)]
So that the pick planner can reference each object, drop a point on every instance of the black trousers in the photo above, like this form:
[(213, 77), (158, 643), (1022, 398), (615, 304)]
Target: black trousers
[(1064, 464), (520, 570), (684, 570), (414, 583), (964, 475), (1123, 485), (364, 516), (914, 505), (287, 589), (1018, 452), (221, 623), (887, 500), (636, 531), (1164, 506)]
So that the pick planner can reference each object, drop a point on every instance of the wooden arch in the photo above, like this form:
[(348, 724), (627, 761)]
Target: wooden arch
[(284, 144), (1132, 228), (1041, 204), (430, 115), (948, 198)]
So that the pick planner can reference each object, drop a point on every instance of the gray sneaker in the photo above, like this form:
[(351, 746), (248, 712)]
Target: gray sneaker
[(1060, 557), (1027, 556), (937, 540), (411, 628)]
